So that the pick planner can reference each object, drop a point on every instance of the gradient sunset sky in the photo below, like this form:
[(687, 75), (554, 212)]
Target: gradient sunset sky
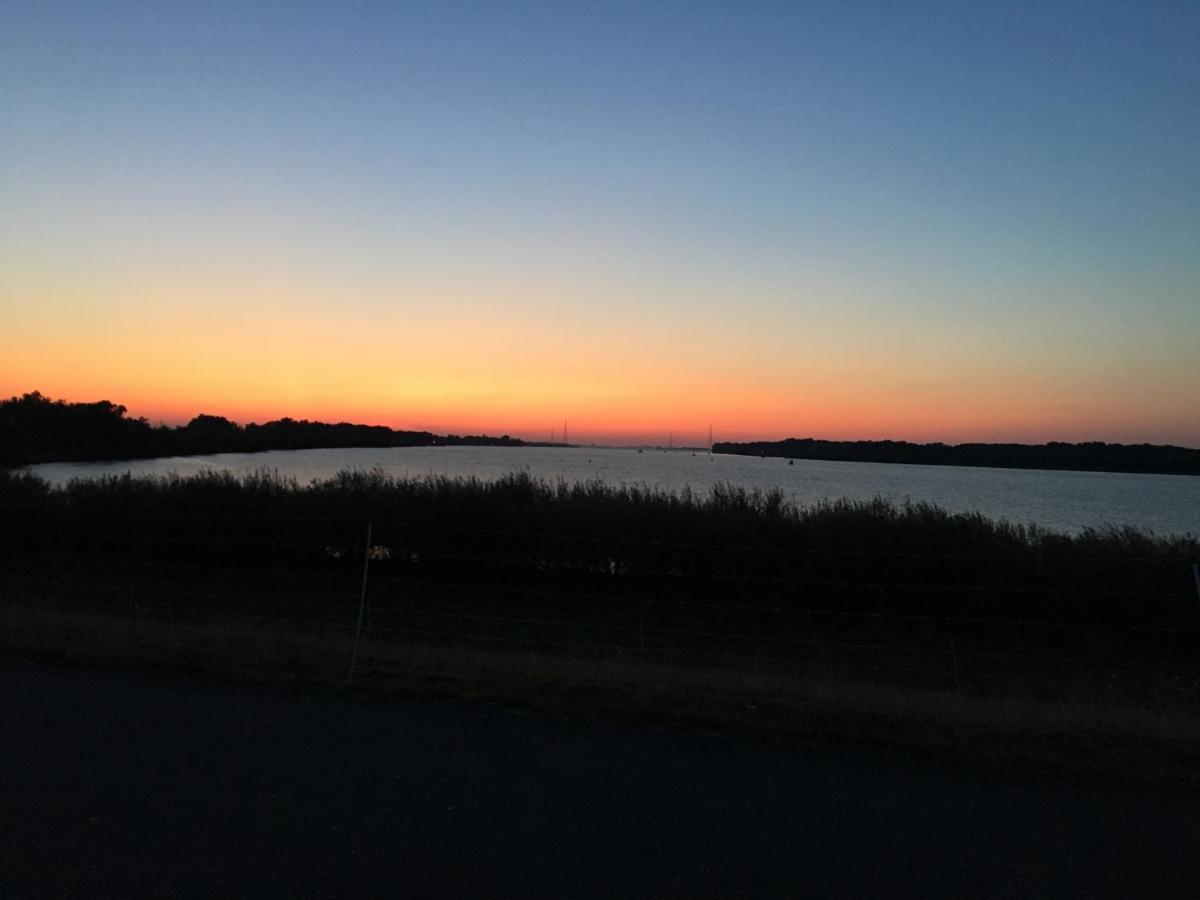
[(930, 221)]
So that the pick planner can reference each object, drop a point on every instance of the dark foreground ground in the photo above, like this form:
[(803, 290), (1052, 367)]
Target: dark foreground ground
[(129, 784)]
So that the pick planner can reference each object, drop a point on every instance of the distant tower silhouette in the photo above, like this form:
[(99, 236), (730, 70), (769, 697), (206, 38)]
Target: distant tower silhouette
[(565, 431)]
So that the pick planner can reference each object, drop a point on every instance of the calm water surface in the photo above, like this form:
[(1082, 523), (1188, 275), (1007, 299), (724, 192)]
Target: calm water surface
[(1065, 501)]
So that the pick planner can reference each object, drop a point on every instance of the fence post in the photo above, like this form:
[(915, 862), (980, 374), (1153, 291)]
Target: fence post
[(362, 604), (954, 656), (129, 608), (642, 639)]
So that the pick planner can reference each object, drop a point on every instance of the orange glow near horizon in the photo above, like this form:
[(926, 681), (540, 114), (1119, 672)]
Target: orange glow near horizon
[(432, 373), (469, 357)]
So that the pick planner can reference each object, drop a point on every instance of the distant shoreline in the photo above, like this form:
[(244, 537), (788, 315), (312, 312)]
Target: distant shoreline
[(35, 429), (1095, 456)]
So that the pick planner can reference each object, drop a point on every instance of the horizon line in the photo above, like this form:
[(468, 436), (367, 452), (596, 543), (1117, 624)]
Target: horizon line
[(634, 439)]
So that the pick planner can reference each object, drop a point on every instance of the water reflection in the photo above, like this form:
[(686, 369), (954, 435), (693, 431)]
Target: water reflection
[(1066, 501)]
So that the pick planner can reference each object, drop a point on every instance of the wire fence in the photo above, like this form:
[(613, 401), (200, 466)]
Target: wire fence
[(950, 620)]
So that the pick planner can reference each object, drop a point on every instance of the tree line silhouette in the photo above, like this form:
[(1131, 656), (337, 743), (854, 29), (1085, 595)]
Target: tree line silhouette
[(35, 428), (1092, 456)]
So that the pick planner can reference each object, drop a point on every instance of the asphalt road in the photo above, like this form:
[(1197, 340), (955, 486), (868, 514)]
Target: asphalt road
[(128, 784)]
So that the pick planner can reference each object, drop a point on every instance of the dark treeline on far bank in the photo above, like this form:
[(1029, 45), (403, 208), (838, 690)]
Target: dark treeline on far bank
[(1093, 456), (35, 429)]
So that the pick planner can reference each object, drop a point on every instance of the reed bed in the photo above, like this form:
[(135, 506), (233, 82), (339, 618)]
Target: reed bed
[(898, 623)]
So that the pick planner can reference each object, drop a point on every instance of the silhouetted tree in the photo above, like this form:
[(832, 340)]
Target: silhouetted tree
[(208, 434), (34, 428)]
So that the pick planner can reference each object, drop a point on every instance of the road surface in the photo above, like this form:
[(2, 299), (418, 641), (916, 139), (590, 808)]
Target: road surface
[(129, 784)]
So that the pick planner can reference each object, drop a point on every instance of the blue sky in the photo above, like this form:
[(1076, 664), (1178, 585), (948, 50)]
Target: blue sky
[(1017, 180)]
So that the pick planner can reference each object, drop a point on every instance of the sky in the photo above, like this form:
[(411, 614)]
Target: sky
[(923, 221)]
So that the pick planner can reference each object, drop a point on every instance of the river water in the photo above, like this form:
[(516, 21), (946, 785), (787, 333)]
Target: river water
[(1065, 501)]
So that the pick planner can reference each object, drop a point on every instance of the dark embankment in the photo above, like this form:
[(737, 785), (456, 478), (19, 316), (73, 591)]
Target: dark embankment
[(1094, 456), (904, 624), (36, 429)]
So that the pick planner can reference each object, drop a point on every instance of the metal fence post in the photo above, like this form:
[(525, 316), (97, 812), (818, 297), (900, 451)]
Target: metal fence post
[(362, 603), (642, 639), (954, 656)]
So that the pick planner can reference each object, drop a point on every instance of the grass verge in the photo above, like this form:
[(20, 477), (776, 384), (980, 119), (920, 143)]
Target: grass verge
[(1139, 742)]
